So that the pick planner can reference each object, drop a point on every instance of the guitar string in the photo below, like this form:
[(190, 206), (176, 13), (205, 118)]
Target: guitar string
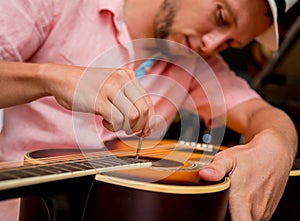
[(73, 158), (54, 160)]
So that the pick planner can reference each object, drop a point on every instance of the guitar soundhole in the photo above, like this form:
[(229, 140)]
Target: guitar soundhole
[(162, 162)]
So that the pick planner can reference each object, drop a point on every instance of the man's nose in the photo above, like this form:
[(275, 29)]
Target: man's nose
[(214, 42)]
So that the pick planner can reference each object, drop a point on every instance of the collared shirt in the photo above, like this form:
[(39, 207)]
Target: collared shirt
[(89, 33), (76, 33)]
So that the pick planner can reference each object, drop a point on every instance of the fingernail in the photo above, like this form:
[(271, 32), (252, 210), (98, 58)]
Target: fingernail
[(209, 171), (146, 132)]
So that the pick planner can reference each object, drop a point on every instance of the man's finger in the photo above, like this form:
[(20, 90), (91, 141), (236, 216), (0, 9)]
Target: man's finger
[(218, 168)]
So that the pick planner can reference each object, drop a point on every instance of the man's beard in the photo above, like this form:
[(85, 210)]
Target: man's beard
[(163, 25)]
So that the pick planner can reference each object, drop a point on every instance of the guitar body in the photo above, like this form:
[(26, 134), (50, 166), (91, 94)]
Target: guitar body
[(168, 190), (288, 207), (113, 201)]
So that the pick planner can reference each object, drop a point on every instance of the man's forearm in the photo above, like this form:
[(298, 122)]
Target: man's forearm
[(275, 122), (20, 83)]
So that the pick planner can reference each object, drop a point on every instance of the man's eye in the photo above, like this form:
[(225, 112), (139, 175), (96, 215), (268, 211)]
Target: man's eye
[(221, 20)]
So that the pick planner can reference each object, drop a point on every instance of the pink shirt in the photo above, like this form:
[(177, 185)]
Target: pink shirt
[(78, 32)]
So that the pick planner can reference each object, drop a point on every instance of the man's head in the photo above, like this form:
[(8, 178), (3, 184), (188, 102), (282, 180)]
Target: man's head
[(209, 26)]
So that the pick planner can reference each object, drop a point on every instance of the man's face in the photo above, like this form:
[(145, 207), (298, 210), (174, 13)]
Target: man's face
[(210, 26)]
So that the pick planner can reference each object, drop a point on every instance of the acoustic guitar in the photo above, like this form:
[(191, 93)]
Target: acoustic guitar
[(111, 184)]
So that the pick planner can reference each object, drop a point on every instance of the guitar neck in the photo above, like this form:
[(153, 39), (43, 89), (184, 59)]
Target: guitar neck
[(54, 170)]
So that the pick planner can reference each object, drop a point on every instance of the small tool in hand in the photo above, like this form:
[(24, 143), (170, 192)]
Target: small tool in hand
[(139, 146)]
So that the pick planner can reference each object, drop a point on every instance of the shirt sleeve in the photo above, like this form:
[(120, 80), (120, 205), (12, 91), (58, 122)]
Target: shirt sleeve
[(216, 89), (24, 27)]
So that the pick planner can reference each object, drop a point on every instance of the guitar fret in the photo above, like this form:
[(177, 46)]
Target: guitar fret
[(58, 168), (26, 171), (7, 176), (39, 170), (34, 171), (17, 174), (112, 161), (87, 164), (102, 164), (99, 164), (130, 160), (84, 166), (68, 167)]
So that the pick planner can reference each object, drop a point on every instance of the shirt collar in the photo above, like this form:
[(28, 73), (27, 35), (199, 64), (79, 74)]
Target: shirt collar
[(116, 8)]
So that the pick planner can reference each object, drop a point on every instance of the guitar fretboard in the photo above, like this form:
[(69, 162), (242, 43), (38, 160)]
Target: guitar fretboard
[(30, 174)]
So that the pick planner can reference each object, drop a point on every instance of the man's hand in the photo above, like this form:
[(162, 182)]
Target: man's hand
[(258, 171), (114, 94)]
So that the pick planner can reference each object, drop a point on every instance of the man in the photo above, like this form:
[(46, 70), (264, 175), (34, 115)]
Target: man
[(52, 41)]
